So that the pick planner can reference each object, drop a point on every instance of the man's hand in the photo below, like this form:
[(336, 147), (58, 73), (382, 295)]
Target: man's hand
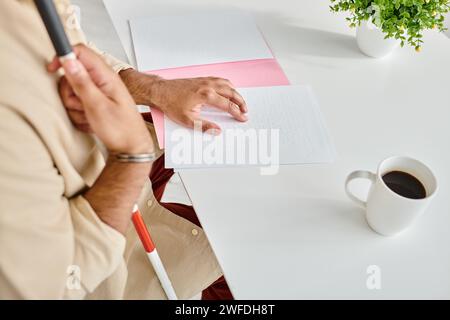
[(102, 103), (97, 100), (182, 99)]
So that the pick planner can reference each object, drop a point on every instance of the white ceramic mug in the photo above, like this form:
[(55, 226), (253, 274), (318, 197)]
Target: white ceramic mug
[(387, 212)]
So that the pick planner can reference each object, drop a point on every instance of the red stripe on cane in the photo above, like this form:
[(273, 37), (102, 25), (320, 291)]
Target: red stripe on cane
[(142, 232)]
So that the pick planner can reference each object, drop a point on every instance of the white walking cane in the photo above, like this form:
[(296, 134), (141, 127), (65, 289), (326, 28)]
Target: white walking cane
[(152, 254)]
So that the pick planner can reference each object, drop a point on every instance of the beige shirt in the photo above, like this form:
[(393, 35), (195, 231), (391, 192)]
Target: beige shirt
[(49, 234)]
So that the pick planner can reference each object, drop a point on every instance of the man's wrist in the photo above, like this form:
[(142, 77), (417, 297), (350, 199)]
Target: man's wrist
[(116, 189), (142, 87)]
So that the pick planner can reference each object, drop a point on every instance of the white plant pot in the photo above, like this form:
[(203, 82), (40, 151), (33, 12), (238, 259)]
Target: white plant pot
[(371, 41)]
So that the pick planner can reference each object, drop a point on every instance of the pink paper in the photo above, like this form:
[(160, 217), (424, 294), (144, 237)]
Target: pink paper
[(253, 73)]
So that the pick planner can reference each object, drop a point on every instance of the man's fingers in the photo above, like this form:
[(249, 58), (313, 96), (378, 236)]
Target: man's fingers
[(84, 54), (239, 100), (216, 100), (82, 84), (100, 73), (68, 96), (86, 128), (193, 121), (77, 117), (54, 65), (225, 88), (210, 127), (234, 96), (207, 126), (226, 82), (73, 103)]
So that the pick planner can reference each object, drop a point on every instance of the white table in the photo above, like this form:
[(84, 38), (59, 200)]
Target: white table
[(296, 235)]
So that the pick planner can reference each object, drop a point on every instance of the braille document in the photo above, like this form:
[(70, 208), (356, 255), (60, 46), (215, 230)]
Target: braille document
[(285, 126), (196, 39)]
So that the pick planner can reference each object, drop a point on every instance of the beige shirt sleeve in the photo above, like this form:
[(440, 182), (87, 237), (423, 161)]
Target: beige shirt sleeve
[(76, 35), (115, 63), (51, 246)]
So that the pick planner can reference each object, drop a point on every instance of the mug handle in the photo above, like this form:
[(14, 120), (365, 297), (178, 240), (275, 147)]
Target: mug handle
[(362, 174)]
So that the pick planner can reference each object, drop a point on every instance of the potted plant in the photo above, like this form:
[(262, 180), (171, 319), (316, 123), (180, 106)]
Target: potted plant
[(384, 24)]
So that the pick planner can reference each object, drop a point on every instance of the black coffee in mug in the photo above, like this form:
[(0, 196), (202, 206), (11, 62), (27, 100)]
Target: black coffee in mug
[(405, 184)]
